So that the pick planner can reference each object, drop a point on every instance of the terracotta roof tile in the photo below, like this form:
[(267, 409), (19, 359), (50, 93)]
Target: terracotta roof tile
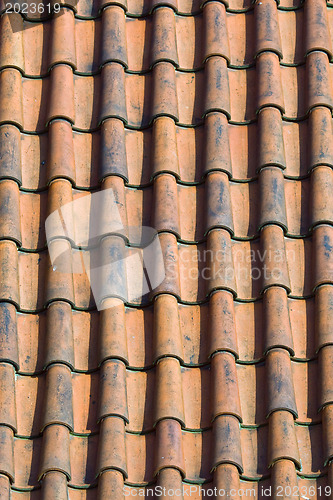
[(212, 123)]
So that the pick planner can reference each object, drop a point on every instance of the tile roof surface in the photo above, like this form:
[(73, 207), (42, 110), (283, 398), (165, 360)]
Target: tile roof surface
[(211, 122)]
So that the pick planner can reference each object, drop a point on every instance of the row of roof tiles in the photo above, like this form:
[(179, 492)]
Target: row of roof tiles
[(192, 272), (87, 9), (83, 458), (161, 37), (250, 330), (138, 99), (111, 483), (172, 203), (138, 337), (195, 397), (140, 457), (188, 153)]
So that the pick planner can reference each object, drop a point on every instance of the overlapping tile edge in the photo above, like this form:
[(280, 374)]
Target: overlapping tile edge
[(90, 10), (226, 459)]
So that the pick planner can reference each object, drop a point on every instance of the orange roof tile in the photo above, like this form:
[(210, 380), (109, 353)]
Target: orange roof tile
[(212, 123)]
